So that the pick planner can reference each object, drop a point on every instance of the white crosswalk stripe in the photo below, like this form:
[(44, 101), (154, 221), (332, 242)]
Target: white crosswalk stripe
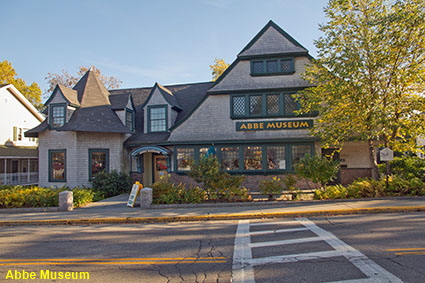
[(244, 263)]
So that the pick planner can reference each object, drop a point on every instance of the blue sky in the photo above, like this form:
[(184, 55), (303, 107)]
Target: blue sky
[(143, 42)]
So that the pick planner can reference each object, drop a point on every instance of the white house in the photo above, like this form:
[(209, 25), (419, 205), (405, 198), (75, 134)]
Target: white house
[(18, 154)]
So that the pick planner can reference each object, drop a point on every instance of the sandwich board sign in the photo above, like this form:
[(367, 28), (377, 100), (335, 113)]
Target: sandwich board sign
[(133, 194), (386, 154)]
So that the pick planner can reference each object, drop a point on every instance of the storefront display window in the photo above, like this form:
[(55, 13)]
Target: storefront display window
[(185, 158), (298, 152), (57, 161), (253, 158), (230, 158), (99, 161), (276, 158)]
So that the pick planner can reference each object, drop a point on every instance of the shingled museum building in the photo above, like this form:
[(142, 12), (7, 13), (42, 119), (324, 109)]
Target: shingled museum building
[(247, 115)]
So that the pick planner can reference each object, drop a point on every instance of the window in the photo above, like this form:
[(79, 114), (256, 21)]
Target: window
[(298, 152), (276, 158), (157, 118), (185, 158), (129, 119), (230, 158), (98, 162), (264, 105), (278, 66), (57, 165), (253, 158), (57, 115)]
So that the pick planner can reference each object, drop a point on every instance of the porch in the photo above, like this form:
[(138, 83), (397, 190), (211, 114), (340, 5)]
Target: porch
[(18, 165)]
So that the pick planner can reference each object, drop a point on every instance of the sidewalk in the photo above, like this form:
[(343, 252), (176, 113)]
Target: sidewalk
[(115, 210)]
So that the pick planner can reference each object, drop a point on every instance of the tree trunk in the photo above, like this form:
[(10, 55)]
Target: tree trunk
[(373, 161)]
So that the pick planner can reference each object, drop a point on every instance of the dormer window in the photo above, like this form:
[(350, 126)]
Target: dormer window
[(57, 115), (129, 119), (276, 66), (157, 118)]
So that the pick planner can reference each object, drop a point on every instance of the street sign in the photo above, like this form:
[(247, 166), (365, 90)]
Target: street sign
[(386, 154)]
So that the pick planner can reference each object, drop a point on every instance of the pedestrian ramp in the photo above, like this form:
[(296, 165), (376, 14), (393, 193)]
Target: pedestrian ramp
[(244, 263)]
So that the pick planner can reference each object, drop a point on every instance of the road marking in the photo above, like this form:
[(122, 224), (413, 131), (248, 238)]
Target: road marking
[(285, 242), (243, 263), (241, 271), (411, 253), (408, 249), (111, 261), (276, 231)]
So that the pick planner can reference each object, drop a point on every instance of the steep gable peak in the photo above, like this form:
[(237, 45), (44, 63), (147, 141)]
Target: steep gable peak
[(272, 40), (91, 91)]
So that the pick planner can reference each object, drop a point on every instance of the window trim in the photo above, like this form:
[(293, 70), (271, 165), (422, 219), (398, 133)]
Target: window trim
[(280, 72), (165, 106), (51, 118), (264, 113), (91, 150), (51, 179)]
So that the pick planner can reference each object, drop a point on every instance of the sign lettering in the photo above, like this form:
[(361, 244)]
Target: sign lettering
[(274, 125)]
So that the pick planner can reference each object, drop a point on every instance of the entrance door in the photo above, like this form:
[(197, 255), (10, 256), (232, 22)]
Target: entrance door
[(160, 169)]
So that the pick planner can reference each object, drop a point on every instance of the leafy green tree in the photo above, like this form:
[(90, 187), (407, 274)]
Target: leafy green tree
[(218, 68), (31, 92), (68, 80), (369, 75)]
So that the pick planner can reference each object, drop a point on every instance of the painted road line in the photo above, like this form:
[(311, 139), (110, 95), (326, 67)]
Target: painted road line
[(112, 261), (241, 271), (366, 265), (410, 253), (285, 242), (408, 249), (363, 280), (273, 223), (293, 258), (257, 233)]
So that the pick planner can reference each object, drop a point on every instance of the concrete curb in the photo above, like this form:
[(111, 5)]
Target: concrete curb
[(211, 217)]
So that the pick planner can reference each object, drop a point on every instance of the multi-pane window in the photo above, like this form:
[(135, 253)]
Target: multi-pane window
[(57, 115), (246, 158), (255, 104), (57, 165), (230, 158), (298, 152), (253, 158), (129, 119), (279, 66), (185, 158), (263, 105), (238, 104), (99, 161), (276, 158), (157, 118)]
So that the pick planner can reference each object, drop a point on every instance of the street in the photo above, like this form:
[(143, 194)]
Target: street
[(360, 248)]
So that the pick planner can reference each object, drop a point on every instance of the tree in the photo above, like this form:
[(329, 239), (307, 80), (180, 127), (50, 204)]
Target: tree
[(31, 92), (218, 68), (68, 80), (369, 74)]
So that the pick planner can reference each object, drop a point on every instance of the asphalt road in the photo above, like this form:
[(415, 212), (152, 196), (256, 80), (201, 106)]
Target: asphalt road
[(363, 248)]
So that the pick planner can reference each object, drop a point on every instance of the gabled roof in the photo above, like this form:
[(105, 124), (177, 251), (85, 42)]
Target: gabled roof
[(167, 94), (120, 101), (70, 95), (91, 91), (272, 40), (95, 119), (21, 98)]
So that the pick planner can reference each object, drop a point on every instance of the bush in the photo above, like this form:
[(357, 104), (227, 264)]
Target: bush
[(272, 186), (366, 188), (165, 192), (318, 169), (216, 183), (33, 196), (408, 167), (332, 192), (111, 184)]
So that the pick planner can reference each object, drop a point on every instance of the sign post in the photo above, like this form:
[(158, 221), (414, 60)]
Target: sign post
[(133, 194), (386, 155)]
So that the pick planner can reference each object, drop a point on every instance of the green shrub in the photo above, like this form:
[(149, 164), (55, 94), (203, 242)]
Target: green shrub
[(271, 187), (408, 167), (366, 188), (318, 169), (33, 196), (111, 184), (332, 192), (165, 192), (216, 183)]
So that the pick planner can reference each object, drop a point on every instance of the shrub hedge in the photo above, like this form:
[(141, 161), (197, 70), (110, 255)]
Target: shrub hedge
[(33, 196)]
